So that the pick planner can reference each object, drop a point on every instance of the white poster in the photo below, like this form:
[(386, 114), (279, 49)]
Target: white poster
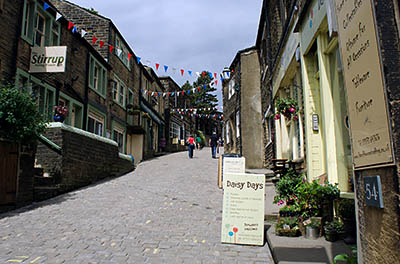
[(243, 209), (48, 59)]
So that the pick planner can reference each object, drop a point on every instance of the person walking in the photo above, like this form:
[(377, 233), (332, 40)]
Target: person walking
[(213, 141), (190, 141), (198, 140)]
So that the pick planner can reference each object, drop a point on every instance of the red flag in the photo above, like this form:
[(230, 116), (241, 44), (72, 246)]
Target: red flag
[(157, 65), (111, 48), (169, 94), (204, 74), (215, 74), (182, 71), (70, 25), (129, 56), (101, 44), (94, 40), (198, 88), (216, 82), (183, 92)]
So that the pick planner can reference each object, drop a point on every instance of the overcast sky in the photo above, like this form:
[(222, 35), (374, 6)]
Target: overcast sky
[(184, 34)]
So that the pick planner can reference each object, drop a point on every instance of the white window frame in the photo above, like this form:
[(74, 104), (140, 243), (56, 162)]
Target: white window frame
[(97, 84), (238, 124), (119, 134), (231, 90), (227, 133), (119, 92), (37, 31)]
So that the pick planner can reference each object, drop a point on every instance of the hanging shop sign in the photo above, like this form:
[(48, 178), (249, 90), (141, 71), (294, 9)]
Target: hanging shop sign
[(48, 59), (363, 75), (243, 209)]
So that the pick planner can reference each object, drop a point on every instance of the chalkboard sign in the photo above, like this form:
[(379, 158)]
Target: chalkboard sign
[(373, 191)]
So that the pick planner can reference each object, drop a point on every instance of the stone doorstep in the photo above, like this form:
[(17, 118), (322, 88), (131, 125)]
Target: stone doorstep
[(287, 250)]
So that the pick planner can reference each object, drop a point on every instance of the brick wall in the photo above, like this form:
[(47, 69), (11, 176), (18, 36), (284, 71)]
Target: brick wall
[(84, 159)]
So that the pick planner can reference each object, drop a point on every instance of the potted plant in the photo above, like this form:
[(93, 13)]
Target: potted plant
[(332, 229), (60, 113), (287, 107), (287, 226), (312, 228)]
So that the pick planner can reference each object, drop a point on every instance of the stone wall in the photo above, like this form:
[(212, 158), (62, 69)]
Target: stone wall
[(85, 158)]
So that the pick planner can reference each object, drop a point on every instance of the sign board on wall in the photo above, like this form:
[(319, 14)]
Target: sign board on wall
[(369, 125), (311, 24), (48, 59), (243, 209)]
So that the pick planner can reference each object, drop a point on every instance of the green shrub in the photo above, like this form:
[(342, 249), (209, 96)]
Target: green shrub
[(20, 120), (286, 187)]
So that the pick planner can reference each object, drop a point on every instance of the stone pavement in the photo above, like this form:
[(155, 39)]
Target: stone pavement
[(167, 211)]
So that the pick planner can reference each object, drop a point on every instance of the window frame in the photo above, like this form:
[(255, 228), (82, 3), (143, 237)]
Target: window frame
[(119, 86), (95, 114), (101, 79), (117, 128), (124, 54)]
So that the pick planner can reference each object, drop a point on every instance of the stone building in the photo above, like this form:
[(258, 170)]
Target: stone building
[(242, 108), (176, 125), (343, 77)]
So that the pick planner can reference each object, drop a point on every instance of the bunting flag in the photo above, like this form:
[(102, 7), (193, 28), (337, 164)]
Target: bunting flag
[(216, 82), (119, 51), (70, 25), (210, 75), (198, 74), (58, 16), (74, 30), (190, 73), (101, 44), (83, 33), (45, 6), (215, 74), (165, 68), (157, 66), (94, 39), (204, 74), (138, 59), (111, 47), (129, 56), (182, 71)]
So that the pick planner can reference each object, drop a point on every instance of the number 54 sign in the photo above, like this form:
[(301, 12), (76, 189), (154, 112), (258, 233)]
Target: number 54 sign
[(373, 191)]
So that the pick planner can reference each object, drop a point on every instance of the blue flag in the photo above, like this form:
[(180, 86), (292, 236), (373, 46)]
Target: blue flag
[(210, 75), (45, 6), (138, 60), (190, 73), (165, 68), (74, 30), (205, 87)]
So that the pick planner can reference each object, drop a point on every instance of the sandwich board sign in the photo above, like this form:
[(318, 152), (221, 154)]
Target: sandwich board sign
[(243, 209), (230, 165)]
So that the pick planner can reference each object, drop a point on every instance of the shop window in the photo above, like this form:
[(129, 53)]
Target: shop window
[(39, 28), (97, 76), (174, 130)]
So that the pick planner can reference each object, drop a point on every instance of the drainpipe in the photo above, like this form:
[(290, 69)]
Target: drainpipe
[(86, 97)]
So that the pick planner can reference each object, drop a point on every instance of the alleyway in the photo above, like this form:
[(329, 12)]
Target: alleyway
[(167, 211)]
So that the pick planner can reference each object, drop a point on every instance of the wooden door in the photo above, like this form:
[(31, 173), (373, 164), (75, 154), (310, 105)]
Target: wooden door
[(8, 172)]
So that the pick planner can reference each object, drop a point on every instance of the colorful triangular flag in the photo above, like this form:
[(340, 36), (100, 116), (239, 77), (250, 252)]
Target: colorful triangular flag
[(182, 71), (138, 59), (119, 51), (94, 39), (129, 56), (45, 6), (111, 47), (83, 33), (210, 75), (70, 25), (101, 44), (165, 68), (215, 74), (198, 74), (157, 65), (190, 73), (74, 30), (204, 74), (58, 16)]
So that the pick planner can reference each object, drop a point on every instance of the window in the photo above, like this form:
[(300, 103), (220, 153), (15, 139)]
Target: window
[(118, 136), (97, 76), (228, 131), (174, 130), (119, 92), (123, 56), (237, 124), (46, 102), (231, 88), (39, 27), (95, 123)]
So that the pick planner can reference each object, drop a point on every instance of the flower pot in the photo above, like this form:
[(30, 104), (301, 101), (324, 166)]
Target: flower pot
[(312, 232), (330, 234)]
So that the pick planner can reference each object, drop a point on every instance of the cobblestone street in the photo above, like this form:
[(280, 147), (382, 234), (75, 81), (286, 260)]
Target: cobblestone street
[(167, 211)]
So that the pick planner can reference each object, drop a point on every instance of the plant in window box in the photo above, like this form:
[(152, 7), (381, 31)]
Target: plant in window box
[(287, 107), (287, 226), (60, 113)]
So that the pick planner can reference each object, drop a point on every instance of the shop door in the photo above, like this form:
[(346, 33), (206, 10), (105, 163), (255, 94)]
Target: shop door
[(8, 172)]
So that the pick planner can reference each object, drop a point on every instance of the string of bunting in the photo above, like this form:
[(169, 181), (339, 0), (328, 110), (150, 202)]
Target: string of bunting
[(119, 51), (197, 109), (210, 116)]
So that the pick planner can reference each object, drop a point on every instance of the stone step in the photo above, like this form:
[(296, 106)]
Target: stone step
[(40, 181), (45, 192)]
